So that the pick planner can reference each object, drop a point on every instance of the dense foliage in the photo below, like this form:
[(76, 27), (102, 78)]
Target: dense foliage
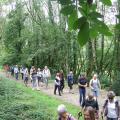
[(36, 33), (20, 103)]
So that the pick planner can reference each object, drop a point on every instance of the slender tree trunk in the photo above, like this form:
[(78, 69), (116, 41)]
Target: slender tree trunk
[(90, 67)]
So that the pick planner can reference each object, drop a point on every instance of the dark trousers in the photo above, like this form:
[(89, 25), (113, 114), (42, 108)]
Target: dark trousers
[(16, 76), (70, 85), (112, 118), (62, 86), (57, 87), (82, 93), (12, 73), (26, 80), (22, 75)]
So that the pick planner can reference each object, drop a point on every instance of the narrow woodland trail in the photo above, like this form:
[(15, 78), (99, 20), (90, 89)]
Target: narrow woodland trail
[(66, 96)]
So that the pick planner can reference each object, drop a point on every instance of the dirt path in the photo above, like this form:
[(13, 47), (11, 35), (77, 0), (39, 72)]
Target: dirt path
[(66, 96)]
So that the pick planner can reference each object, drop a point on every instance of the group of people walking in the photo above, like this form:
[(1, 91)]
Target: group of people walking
[(36, 75), (88, 103), (90, 109), (60, 82)]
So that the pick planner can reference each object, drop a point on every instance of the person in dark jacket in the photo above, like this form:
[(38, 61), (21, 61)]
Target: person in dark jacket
[(70, 80), (57, 84), (82, 83), (91, 102), (62, 81)]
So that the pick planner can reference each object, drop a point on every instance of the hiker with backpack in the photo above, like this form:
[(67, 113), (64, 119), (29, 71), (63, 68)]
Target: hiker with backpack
[(111, 109), (57, 84), (82, 83), (63, 113), (95, 86), (62, 84), (70, 81), (91, 102)]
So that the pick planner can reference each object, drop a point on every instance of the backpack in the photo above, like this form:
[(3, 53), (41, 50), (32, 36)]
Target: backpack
[(116, 104), (92, 82), (70, 79)]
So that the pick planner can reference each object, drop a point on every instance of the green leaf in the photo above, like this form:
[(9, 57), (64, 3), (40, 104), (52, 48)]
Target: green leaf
[(117, 26), (107, 2), (83, 35), (67, 10), (93, 7), (95, 15), (71, 19), (65, 2), (93, 32), (101, 27), (82, 11), (81, 2), (79, 23)]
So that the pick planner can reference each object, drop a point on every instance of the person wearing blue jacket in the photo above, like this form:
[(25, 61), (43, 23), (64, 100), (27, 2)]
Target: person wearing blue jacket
[(70, 80)]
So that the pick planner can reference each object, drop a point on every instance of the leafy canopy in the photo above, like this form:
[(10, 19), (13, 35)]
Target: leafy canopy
[(90, 23)]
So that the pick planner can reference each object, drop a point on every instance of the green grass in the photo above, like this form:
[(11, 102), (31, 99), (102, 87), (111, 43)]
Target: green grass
[(20, 103)]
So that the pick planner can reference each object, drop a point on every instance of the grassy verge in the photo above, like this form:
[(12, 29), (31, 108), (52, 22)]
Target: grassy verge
[(20, 103)]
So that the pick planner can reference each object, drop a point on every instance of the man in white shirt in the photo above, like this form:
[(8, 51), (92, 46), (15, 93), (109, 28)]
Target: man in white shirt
[(16, 71)]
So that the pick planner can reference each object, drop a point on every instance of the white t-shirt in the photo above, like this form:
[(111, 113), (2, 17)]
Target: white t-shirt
[(16, 70), (112, 110), (46, 73), (39, 74)]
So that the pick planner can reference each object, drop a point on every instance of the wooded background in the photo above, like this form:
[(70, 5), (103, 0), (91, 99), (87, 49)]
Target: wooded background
[(82, 35)]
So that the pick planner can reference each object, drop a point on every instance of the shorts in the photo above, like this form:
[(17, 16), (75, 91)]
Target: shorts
[(95, 93)]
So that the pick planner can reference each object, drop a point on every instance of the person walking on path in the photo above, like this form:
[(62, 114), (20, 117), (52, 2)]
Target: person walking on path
[(91, 102), (25, 76), (111, 109), (95, 86), (39, 76), (70, 80), (16, 71), (12, 70), (82, 83), (47, 75), (31, 71), (7, 70), (62, 85), (22, 72), (63, 113), (57, 84), (34, 79)]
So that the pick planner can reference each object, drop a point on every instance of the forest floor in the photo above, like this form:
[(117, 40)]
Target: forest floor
[(66, 96)]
